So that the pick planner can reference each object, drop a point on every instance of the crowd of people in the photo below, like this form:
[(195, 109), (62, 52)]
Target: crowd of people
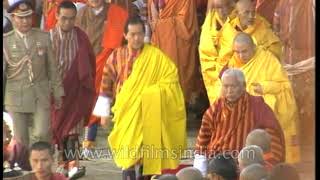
[(145, 66)]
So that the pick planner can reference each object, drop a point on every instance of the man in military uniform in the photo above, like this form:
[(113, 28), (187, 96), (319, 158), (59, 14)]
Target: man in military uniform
[(31, 75)]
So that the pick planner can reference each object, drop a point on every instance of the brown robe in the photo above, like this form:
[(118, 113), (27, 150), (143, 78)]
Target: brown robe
[(296, 24), (176, 34), (93, 25), (266, 8)]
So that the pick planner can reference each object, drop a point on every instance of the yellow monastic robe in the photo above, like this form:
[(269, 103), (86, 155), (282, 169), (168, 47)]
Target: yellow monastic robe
[(149, 115), (260, 31), (264, 68), (209, 49)]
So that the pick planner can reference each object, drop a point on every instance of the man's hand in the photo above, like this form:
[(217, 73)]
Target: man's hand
[(105, 121), (58, 102), (257, 88)]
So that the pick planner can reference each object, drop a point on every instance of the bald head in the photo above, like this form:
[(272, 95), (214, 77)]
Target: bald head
[(246, 13), (244, 47), (189, 173), (243, 38), (250, 155), (222, 7), (168, 177), (260, 138), (253, 172)]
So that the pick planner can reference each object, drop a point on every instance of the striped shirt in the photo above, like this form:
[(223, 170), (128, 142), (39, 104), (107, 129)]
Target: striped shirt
[(225, 128), (116, 70)]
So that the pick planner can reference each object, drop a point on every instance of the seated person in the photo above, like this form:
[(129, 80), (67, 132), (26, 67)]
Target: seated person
[(250, 155), (266, 77), (254, 172), (224, 167), (189, 173), (41, 160), (262, 139), (228, 121)]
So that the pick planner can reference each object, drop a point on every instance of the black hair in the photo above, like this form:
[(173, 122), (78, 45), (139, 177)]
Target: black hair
[(134, 21), (41, 146), (66, 4), (224, 165)]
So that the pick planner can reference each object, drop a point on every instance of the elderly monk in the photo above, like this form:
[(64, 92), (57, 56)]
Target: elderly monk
[(229, 120), (76, 64), (261, 138), (103, 23), (254, 172), (299, 53), (209, 41), (266, 77), (250, 22), (149, 111), (175, 31)]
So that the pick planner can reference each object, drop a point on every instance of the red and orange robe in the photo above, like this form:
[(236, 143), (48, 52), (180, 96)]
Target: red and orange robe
[(225, 126)]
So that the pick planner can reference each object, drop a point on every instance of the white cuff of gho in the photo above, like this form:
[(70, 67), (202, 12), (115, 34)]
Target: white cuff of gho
[(200, 162), (102, 107)]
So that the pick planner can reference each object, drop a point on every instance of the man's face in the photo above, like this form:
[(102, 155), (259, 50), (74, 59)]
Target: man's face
[(41, 163), (22, 24), (95, 3), (66, 19), (135, 36), (223, 8), (232, 89), (243, 51), (246, 14)]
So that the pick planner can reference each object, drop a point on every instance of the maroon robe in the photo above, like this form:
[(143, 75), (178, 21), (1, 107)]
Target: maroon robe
[(79, 87)]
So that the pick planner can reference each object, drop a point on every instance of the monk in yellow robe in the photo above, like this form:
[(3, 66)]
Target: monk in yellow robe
[(265, 77), (149, 112), (250, 22), (222, 11)]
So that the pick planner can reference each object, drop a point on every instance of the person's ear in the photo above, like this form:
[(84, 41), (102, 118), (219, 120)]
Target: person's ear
[(125, 36)]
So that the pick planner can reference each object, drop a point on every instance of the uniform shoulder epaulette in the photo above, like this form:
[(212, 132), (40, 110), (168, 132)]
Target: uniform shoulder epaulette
[(39, 30), (8, 33)]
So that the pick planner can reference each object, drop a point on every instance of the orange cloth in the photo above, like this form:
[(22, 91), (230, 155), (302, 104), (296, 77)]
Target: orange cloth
[(266, 8), (112, 38), (296, 23), (176, 34)]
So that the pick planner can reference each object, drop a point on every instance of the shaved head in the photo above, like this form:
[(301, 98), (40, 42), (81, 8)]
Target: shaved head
[(244, 47), (189, 173), (243, 38), (253, 172), (250, 155), (246, 12), (222, 7), (260, 138)]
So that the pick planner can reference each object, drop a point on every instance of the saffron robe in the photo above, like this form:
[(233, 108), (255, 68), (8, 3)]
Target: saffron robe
[(176, 34), (265, 69)]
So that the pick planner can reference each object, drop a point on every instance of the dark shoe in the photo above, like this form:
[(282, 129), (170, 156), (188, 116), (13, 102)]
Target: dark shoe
[(79, 172)]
